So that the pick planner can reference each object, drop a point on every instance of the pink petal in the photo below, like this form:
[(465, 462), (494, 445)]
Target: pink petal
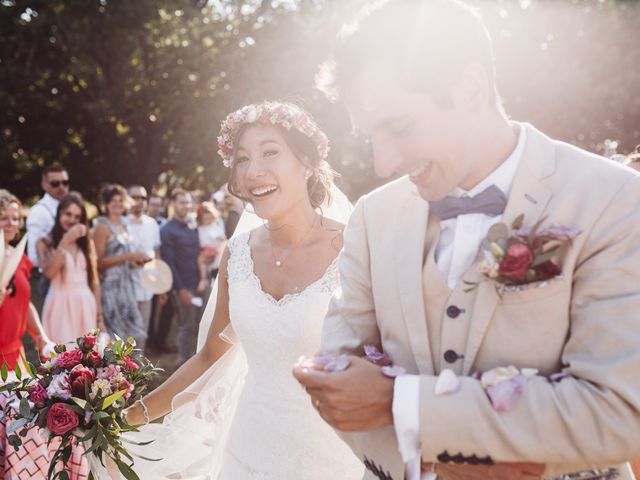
[(393, 371), (447, 383), (497, 375), (376, 356), (506, 394), (338, 364)]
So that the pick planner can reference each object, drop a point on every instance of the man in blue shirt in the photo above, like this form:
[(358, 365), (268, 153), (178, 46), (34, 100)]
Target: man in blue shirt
[(179, 248)]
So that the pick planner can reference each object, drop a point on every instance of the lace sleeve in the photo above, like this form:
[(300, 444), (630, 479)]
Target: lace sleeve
[(239, 266)]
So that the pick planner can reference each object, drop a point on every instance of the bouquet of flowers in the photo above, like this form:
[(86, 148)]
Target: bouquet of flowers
[(79, 395)]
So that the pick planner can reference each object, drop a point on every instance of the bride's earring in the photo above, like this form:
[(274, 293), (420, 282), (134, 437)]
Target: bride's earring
[(307, 174)]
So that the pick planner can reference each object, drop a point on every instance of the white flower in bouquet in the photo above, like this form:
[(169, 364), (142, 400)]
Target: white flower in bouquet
[(59, 387)]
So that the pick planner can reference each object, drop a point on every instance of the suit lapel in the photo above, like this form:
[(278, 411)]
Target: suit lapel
[(410, 231), (529, 197)]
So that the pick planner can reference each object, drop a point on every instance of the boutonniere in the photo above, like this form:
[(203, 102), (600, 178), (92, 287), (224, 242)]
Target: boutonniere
[(521, 255)]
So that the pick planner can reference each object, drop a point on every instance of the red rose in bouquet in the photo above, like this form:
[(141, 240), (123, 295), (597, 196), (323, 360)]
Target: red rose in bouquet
[(69, 359), (94, 359), (81, 375), (88, 342), (61, 419), (517, 261)]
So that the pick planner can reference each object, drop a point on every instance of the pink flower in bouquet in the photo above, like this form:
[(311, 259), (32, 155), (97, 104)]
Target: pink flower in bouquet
[(94, 359), (61, 419), (125, 385), (113, 373), (517, 261), (38, 395), (130, 364), (81, 375), (68, 359), (88, 342)]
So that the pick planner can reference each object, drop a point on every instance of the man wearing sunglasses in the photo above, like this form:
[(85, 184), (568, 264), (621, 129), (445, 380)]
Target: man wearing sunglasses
[(41, 217)]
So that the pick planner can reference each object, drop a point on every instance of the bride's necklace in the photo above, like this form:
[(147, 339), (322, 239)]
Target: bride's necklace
[(279, 261)]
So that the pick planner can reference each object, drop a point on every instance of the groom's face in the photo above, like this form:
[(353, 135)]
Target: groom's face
[(409, 133)]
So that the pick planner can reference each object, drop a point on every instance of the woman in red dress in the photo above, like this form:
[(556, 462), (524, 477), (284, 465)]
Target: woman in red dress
[(17, 316), (17, 313)]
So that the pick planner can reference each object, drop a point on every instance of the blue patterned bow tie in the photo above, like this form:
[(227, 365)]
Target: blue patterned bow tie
[(491, 201)]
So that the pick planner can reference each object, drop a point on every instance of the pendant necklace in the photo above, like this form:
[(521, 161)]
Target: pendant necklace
[(280, 261)]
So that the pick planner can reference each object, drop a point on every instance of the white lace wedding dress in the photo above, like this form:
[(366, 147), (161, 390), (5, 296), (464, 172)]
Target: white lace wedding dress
[(264, 428)]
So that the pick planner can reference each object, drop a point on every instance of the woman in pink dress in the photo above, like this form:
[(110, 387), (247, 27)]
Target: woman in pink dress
[(67, 255)]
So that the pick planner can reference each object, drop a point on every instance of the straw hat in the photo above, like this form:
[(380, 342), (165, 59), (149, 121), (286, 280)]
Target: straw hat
[(156, 277)]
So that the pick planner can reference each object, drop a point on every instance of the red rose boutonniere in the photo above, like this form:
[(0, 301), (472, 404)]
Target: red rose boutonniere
[(522, 255)]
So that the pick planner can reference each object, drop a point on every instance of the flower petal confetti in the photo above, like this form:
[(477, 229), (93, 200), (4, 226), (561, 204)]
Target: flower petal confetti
[(392, 371), (447, 383), (376, 356)]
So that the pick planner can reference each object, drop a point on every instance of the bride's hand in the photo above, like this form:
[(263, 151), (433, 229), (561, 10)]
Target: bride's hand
[(134, 415)]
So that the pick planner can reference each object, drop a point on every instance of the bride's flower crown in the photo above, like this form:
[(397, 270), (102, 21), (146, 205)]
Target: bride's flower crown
[(286, 114)]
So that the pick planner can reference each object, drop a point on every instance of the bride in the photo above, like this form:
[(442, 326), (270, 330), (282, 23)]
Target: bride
[(246, 417)]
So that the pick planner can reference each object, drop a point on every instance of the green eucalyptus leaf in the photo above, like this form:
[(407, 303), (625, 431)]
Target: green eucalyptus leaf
[(498, 232), (4, 372), (80, 402), (112, 398), (518, 222), (24, 409), (21, 422)]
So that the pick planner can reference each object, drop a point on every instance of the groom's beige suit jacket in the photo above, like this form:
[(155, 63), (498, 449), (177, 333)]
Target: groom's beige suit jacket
[(587, 321)]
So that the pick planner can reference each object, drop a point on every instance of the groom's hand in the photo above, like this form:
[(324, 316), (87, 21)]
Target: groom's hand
[(357, 399)]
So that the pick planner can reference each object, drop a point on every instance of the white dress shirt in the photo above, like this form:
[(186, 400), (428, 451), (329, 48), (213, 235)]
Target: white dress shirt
[(144, 236), (457, 249), (40, 221)]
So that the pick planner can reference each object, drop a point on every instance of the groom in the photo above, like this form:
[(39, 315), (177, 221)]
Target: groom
[(418, 79)]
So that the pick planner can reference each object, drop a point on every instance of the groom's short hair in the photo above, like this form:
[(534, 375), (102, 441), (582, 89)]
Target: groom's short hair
[(427, 42)]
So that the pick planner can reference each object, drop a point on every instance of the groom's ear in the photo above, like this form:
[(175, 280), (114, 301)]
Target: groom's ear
[(471, 93)]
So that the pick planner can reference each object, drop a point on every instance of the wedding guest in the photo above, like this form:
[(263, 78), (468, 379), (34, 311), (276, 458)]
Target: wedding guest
[(17, 314), (155, 209), (145, 237), (211, 236), (17, 317), (179, 248), (41, 217), (67, 255), (116, 261), (55, 183)]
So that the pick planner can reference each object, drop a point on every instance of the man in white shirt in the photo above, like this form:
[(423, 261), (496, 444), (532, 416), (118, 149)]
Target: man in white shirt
[(41, 217), (145, 237), (418, 79)]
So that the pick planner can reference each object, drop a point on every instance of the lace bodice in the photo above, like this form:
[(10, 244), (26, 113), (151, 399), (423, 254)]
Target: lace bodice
[(276, 434)]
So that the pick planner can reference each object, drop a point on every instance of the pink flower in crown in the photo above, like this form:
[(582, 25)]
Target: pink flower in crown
[(277, 113)]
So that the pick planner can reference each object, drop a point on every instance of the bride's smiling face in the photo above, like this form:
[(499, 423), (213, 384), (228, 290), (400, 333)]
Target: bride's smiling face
[(268, 173)]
